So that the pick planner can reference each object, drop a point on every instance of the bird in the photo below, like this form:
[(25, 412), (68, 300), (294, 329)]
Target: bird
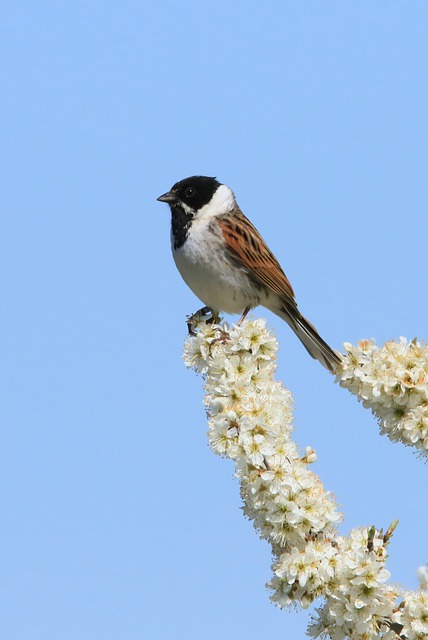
[(226, 263)]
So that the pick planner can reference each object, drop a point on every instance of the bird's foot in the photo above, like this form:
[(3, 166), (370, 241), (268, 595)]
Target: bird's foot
[(194, 319), (223, 338)]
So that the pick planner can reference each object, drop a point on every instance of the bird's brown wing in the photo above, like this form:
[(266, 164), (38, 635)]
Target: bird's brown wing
[(250, 252), (246, 245)]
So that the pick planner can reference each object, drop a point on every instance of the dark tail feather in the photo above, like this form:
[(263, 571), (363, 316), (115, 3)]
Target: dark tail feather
[(310, 338)]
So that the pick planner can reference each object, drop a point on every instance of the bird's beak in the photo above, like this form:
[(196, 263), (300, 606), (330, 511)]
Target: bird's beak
[(167, 197)]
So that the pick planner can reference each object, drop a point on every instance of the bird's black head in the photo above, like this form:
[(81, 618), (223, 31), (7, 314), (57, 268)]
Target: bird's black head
[(194, 193), (185, 199)]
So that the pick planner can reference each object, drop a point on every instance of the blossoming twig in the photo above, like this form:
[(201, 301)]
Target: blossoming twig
[(250, 421), (392, 381)]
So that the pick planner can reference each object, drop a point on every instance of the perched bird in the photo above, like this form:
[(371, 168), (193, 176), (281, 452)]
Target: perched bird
[(227, 264)]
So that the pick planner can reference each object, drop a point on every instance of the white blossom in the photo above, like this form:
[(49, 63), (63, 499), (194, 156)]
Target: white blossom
[(250, 421), (392, 381), (414, 615), (422, 574)]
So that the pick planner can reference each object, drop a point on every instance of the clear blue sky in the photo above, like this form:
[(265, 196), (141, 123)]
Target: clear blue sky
[(116, 519)]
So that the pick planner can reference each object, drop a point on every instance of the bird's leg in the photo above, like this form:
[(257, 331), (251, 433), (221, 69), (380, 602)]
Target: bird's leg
[(196, 317), (244, 315)]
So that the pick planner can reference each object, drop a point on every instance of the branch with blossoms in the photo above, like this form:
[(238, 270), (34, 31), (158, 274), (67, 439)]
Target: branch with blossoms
[(392, 381), (250, 421)]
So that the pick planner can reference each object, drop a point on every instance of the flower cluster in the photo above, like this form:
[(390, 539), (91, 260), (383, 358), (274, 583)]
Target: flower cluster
[(392, 381), (250, 421), (358, 603), (413, 615)]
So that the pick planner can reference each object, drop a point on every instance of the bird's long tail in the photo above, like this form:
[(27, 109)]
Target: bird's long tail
[(309, 337)]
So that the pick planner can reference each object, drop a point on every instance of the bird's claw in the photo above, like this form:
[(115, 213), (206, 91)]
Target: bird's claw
[(195, 318), (223, 338)]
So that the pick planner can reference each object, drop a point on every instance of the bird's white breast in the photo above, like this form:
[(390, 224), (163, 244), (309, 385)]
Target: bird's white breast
[(207, 269)]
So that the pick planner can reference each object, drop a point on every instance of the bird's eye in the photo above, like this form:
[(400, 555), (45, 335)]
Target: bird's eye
[(189, 192)]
